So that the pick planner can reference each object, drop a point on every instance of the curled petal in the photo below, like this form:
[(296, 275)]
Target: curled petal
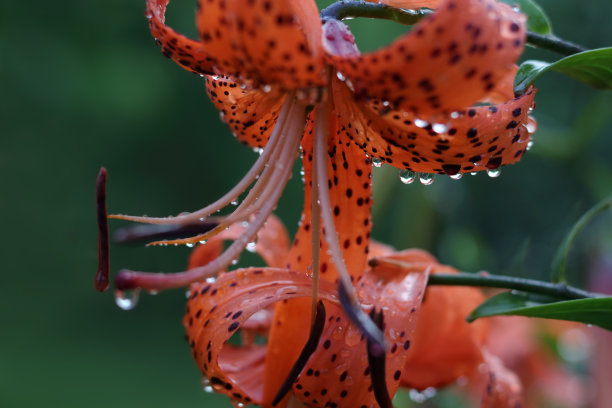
[(267, 41), (216, 311), (450, 60), (338, 373), (250, 113), (473, 139), (186, 52)]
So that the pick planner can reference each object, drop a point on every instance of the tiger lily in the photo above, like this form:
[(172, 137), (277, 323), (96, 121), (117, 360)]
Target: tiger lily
[(284, 80), (430, 344)]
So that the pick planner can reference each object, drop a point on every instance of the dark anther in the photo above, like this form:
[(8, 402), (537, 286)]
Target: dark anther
[(309, 348), (161, 232), (377, 367), (101, 280), (365, 325)]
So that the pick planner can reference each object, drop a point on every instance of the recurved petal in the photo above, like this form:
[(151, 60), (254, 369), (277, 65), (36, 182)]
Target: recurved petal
[(266, 41), (338, 373), (250, 113), (445, 347), (450, 60), (216, 311), (473, 139), (188, 53), (408, 4)]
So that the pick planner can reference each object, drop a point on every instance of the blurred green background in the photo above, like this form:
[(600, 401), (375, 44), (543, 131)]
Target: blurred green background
[(82, 85)]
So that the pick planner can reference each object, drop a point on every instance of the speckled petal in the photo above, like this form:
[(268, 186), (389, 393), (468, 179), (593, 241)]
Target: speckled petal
[(473, 139), (338, 373), (450, 60), (216, 311), (272, 42), (250, 113), (186, 52), (503, 388)]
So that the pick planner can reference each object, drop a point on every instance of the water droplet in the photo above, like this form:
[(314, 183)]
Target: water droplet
[(456, 176), (187, 294), (203, 241), (454, 115), (238, 404), (258, 150), (153, 292), (426, 179), (421, 123), (422, 396), (439, 128), (473, 173), (235, 261), (407, 176), (234, 202), (494, 172), (340, 76), (529, 145), (211, 279), (206, 385), (266, 88), (189, 244), (222, 115), (376, 162), (252, 247), (127, 299)]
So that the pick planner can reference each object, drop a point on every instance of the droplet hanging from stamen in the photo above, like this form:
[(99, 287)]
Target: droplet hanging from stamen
[(127, 299)]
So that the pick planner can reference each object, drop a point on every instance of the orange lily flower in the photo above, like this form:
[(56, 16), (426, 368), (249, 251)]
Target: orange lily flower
[(267, 62), (430, 344)]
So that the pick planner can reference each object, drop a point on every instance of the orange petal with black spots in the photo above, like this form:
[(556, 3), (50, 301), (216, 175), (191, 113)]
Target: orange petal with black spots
[(450, 60), (188, 53), (271, 42), (473, 139), (503, 388), (338, 373), (250, 113), (216, 311), (350, 197)]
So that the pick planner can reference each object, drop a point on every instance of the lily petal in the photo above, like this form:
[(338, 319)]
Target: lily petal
[(503, 388), (478, 138), (250, 113), (408, 4), (450, 60), (266, 41), (186, 52), (216, 311), (338, 373)]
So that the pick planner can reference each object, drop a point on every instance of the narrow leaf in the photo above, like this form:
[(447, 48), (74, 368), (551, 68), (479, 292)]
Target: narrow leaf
[(560, 260), (596, 311), (537, 20), (593, 67)]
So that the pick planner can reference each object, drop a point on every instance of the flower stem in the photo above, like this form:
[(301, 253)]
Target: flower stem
[(484, 279), (559, 290), (350, 9)]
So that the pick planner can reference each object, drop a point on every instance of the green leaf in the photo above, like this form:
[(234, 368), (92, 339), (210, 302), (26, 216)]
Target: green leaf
[(537, 20), (560, 260), (596, 311), (593, 67)]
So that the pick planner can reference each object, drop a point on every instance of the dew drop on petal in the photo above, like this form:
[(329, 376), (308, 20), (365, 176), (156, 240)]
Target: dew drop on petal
[(189, 244), (439, 128), (454, 115), (421, 123), (407, 176), (238, 404), (206, 385), (456, 176), (211, 279), (340, 76), (473, 173), (426, 179), (376, 162), (127, 299), (494, 172), (266, 88), (187, 294), (529, 145)]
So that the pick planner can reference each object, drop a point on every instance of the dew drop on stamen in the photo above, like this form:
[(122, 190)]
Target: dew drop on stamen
[(427, 179), (127, 299), (494, 173), (407, 176), (376, 162)]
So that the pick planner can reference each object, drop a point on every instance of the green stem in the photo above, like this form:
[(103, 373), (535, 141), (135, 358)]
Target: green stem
[(559, 290), (350, 9), (553, 43)]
